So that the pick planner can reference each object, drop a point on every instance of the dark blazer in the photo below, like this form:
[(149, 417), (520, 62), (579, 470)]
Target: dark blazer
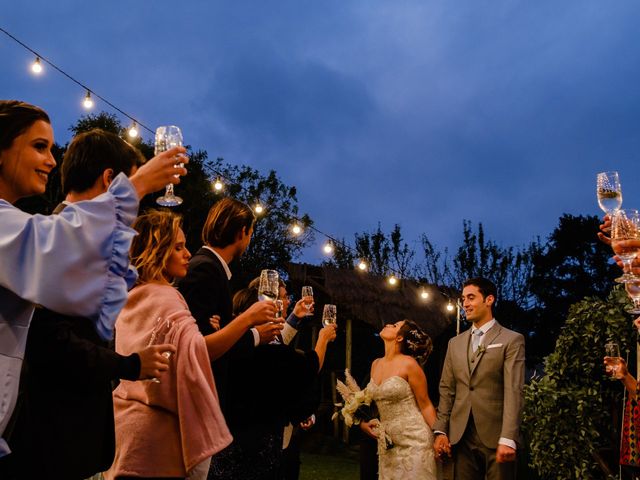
[(207, 292), (64, 421)]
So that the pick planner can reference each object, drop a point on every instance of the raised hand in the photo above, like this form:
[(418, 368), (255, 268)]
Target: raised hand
[(300, 309), (269, 331), (159, 171), (154, 360), (262, 312)]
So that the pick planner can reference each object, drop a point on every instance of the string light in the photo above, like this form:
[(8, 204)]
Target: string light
[(450, 307), (133, 131), (392, 280), (258, 209), (424, 294), (328, 248), (87, 103), (362, 266), (296, 229), (218, 185), (36, 66)]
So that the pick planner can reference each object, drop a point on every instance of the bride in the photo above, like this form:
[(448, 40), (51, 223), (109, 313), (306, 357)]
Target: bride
[(399, 387)]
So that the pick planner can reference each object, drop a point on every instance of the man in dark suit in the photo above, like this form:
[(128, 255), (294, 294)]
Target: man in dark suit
[(481, 392), (64, 425), (226, 235)]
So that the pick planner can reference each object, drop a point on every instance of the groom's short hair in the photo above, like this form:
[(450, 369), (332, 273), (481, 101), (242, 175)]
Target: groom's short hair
[(485, 286)]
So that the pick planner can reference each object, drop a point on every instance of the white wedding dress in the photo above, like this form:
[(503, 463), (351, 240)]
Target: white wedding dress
[(412, 455)]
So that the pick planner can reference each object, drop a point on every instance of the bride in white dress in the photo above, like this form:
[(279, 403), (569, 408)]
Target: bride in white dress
[(399, 387)]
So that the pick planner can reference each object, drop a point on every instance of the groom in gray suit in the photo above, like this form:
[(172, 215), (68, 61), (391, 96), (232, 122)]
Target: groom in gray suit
[(481, 392)]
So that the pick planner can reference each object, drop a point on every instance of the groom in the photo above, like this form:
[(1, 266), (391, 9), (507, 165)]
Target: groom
[(481, 392)]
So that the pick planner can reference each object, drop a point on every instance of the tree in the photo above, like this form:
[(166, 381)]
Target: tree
[(374, 248), (567, 415)]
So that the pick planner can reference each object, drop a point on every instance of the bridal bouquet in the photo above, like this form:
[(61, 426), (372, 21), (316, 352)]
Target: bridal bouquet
[(357, 407)]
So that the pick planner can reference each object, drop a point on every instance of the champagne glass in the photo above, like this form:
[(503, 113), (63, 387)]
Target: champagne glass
[(633, 291), (609, 191), (307, 292), (160, 329), (612, 350), (329, 315), (269, 285), (167, 137), (625, 240)]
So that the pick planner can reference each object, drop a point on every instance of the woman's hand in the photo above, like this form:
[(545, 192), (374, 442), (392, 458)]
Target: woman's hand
[(605, 228), (214, 321), (160, 171), (262, 312), (328, 334), (616, 367)]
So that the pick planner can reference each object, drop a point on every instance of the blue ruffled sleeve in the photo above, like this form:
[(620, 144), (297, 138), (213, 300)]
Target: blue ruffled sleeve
[(77, 262)]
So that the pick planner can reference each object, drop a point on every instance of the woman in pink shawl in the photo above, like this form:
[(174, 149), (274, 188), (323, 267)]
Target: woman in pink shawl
[(170, 427)]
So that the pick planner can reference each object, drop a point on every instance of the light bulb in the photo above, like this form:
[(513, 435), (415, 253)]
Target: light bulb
[(392, 280), (424, 294), (88, 103), (362, 266), (218, 185), (259, 208), (133, 131), (36, 66), (450, 307), (296, 229), (328, 248)]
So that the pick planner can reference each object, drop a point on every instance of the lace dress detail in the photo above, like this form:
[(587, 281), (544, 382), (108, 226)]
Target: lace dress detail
[(412, 455)]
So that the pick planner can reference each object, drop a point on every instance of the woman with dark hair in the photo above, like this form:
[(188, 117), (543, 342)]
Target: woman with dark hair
[(75, 263), (399, 387)]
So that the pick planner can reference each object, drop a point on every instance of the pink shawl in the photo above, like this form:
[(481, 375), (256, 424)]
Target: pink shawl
[(166, 428)]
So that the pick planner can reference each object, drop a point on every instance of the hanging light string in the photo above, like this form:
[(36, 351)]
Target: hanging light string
[(89, 90), (218, 186)]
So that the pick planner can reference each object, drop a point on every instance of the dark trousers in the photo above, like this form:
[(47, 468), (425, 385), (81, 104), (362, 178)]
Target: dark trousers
[(474, 461)]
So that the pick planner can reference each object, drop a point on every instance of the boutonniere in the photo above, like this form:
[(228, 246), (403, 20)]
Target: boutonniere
[(481, 350)]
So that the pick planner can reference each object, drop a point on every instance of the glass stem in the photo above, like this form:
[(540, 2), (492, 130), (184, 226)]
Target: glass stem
[(169, 190)]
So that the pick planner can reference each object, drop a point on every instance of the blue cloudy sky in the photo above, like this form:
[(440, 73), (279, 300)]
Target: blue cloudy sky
[(422, 113)]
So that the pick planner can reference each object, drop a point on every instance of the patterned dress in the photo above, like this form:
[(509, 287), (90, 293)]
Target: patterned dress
[(412, 454)]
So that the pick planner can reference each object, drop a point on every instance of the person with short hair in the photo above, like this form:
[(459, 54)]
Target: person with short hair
[(481, 392)]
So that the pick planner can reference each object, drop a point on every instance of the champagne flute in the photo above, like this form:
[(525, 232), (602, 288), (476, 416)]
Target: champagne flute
[(269, 285), (625, 240), (633, 291), (307, 292), (160, 329), (609, 191), (167, 137), (612, 350), (329, 315)]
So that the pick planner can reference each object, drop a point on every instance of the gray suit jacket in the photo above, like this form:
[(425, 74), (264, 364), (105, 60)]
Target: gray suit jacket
[(491, 387)]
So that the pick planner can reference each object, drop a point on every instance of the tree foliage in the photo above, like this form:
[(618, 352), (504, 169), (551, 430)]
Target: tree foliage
[(567, 414)]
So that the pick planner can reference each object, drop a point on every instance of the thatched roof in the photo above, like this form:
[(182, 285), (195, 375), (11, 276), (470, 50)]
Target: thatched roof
[(370, 299)]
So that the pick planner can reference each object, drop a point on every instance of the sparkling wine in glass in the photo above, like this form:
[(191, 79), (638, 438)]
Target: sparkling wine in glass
[(609, 191), (612, 350), (329, 315), (167, 137), (633, 291), (625, 240), (269, 285), (307, 295), (160, 329)]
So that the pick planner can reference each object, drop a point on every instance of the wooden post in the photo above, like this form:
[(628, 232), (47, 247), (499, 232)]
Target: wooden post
[(334, 400)]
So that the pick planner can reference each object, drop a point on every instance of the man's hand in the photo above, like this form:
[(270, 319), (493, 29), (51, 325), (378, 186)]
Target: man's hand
[(442, 446), (300, 309), (505, 454), (370, 428), (154, 360), (214, 321), (269, 331), (605, 228)]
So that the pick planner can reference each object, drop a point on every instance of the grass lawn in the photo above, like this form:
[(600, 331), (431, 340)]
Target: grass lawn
[(328, 467)]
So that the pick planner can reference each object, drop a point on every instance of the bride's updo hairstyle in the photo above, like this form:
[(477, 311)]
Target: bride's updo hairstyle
[(415, 342)]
